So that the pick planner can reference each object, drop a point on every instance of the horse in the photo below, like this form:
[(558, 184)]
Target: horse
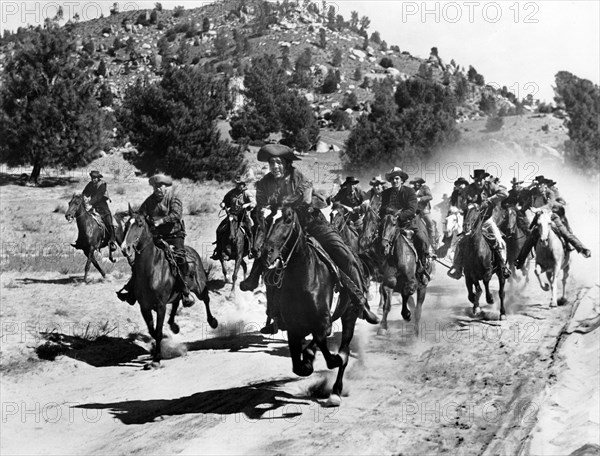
[(452, 231), (300, 283), (515, 239), (91, 237), (340, 220), (478, 262), (550, 257), (367, 248), (234, 245), (154, 282), (400, 268)]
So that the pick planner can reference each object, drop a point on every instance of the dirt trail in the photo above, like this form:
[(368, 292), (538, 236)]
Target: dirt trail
[(452, 389)]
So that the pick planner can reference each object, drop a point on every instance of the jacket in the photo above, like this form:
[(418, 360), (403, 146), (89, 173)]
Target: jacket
[(294, 187), (402, 202), (424, 197), (170, 210)]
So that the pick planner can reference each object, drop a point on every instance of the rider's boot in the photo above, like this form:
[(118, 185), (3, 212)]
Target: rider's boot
[(530, 243), (500, 263), (358, 297), (251, 282), (187, 299), (127, 294)]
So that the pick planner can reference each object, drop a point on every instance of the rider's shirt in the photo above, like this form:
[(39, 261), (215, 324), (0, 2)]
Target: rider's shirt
[(400, 201), (351, 198), (273, 191), (98, 196), (170, 210), (491, 192), (235, 199), (459, 199), (424, 197)]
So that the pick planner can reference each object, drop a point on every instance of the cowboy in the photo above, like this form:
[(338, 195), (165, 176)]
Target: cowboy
[(351, 197), (546, 197), (98, 194), (486, 194), (424, 198), (458, 196), (164, 211), (238, 201), (374, 195), (285, 184), (402, 201), (517, 199)]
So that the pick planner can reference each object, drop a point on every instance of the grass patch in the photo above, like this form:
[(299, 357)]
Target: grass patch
[(120, 190), (197, 208), (60, 209)]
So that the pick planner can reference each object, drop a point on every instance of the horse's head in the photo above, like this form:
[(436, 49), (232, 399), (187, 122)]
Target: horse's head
[(233, 219), (543, 221), (136, 235), (336, 217), (370, 227), (454, 222), (282, 238), (74, 205), (389, 230), (471, 217)]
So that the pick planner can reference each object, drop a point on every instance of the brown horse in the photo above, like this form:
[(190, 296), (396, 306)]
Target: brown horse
[(91, 237), (301, 285), (154, 281), (515, 239), (400, 268), (234, 245), (340, 220), (368, 250), (478, 262)]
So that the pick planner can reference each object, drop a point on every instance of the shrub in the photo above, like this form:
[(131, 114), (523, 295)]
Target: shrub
[(179, 11), (341, 120), (494, 124), (386, 62)]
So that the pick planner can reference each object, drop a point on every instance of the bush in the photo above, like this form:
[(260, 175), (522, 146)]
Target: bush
[(331, 82), (350, 101), (386, 62), (341, 120), (179, 11), (494, 124)]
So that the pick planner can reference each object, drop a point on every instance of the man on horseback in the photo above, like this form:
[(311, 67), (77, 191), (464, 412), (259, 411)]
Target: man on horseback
[(374, 195), (351, 197), (458, 198), (517, 200), (285, 184), (543, 195), (402, 201), (238, 201), (163, 210), (98, 194), (486, 194), (424, 198)]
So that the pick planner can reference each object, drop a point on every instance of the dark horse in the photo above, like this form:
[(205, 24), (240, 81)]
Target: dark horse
[(234, 245), (478, 262), (368, 250), (154, 281), (515, 239), (91, 236), (301, 284), (400, 271), (340, 220)]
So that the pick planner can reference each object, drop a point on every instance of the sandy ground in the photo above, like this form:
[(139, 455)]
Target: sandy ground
[(528, 385)]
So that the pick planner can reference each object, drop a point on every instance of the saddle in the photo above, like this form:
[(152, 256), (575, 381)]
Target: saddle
[(172, 257), (98, 219), (323, 255)]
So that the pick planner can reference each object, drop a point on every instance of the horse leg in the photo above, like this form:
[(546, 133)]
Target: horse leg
[(174, 326), (387, 305), (501, 294), (563, 299), (236, 268), (488, 294), (538, 274), (92, 257), (474, 296), (551, 276), (161, 311), (298, 367), (224, 269), (88, 263), (381, 295), (406, 314), (212, 321), (244, 268), (421, 293)]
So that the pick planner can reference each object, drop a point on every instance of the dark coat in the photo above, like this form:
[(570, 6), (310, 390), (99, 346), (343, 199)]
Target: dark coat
[(98, 195), (273, 191), (170, 210), (401, 202)]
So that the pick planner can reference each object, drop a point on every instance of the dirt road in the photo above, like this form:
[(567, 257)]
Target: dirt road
[(455, 389)]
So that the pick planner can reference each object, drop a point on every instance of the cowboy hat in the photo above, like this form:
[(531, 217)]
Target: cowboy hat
[(350, 180), (160, 179), (239, 179), (276, 150), (479, 174), (539, 178), (418, 180), (461, 181), (96, 174), (549, 182), (514, 181), (377, 180), (395, 171)]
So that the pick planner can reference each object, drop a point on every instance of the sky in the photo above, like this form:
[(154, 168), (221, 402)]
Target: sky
[(518, 44)]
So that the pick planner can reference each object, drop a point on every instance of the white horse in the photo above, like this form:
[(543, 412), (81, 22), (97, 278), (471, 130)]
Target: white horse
[(550, 257), (453, 228)]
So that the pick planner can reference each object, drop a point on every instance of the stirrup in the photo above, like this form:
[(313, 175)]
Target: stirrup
[(271, 328)]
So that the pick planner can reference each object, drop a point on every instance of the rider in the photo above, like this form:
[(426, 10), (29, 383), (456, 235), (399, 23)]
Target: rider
[(285, 184), (239, 200), (487, 194), (164, 211), (517, 199), (351, 197), (424, 198), (458, 197), (374, 195), (402, 201), (96, 191), (544, 196)]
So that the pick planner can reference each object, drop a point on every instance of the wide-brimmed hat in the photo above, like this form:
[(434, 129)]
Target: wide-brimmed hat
[(350, 180), (160, 179), (275, 150), (377, 180), (395, 171), (239, 179), (461, 181), (96, 174), (549, 182), (418, 180), (514, 181), (539, 179), (479, 174)]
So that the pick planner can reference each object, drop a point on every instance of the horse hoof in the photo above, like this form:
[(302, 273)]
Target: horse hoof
[(152, 365), (562, 301), (213, 323), (304, 370), (406, 315), (502, 317), (336, 361), (382, 332), (332, 401), (476, 310), (175, 328)]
